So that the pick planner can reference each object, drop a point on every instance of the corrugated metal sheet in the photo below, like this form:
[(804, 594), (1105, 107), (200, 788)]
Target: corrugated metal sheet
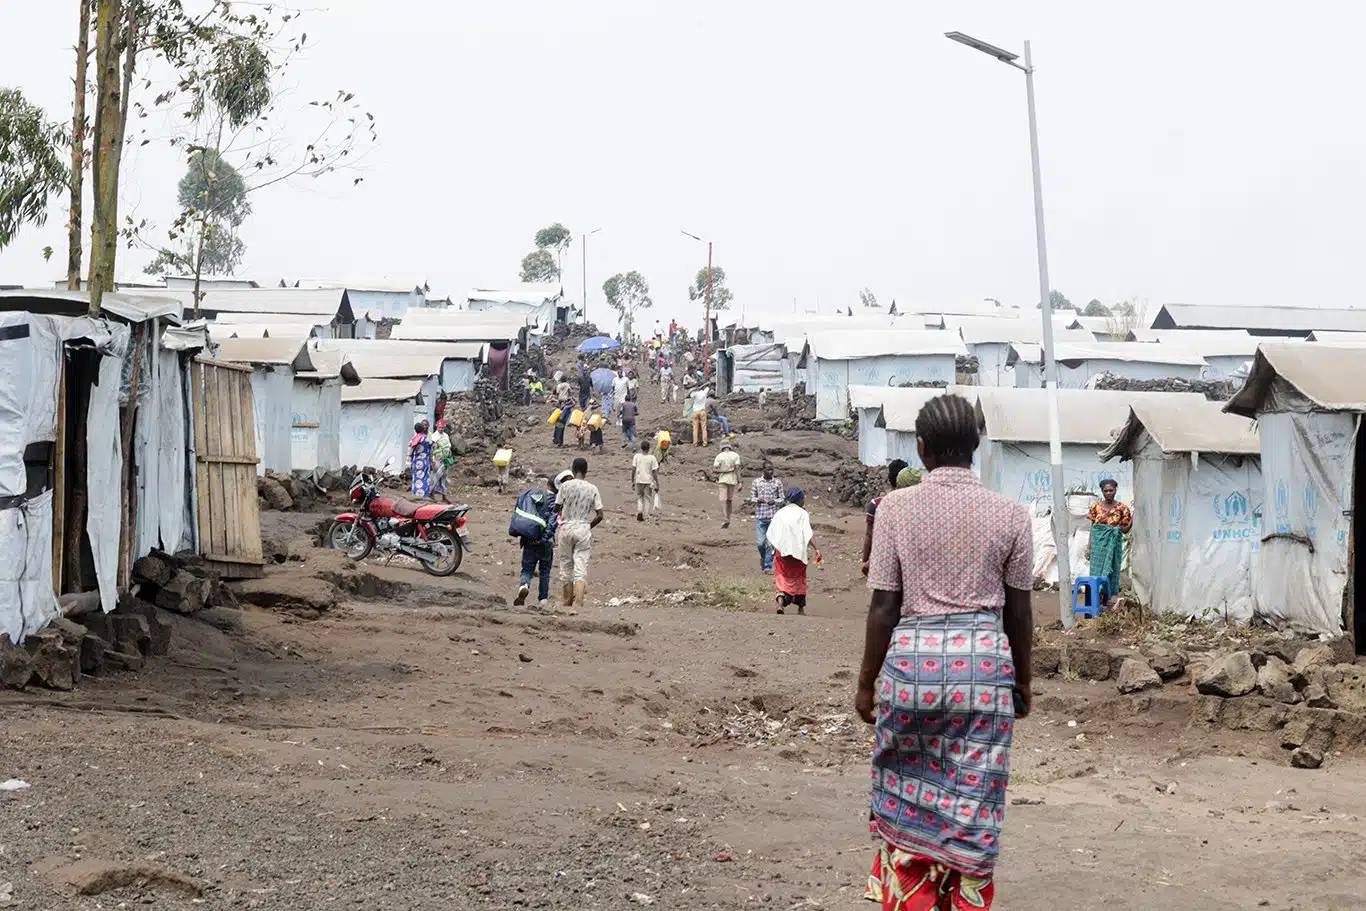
[(1181, 425), (377, 390), (986, 330), (1084, 415), (1333, 379), (290, 351), (1138, 352), (1294, 320), (851, 344)]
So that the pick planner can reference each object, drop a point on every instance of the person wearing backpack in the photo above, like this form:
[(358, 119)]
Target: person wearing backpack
[(534, 523)]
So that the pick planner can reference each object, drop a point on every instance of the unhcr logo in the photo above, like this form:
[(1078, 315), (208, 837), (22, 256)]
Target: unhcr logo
[(1232, 509)]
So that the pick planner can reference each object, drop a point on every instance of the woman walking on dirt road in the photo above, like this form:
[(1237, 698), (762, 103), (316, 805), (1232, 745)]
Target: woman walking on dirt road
[(949, 559)]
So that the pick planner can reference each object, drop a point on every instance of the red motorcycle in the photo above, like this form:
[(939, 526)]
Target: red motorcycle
[(433, 534)]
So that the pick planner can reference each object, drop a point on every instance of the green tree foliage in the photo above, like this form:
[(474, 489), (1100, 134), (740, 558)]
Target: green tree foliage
[(32, 165), (555, 238), (720, 294), (540, 266), (626, 293), (1095, 308), (1058, 300), (213, 201), (868, 299)]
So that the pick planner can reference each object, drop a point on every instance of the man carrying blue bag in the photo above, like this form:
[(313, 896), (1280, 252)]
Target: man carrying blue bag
[(534, 523)]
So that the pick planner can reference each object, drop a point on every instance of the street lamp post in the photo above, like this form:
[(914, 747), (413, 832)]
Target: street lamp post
[(1050, 364), (706, 320), (583, 248)]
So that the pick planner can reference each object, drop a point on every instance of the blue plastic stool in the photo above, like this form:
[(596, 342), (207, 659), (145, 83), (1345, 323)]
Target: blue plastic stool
[(1087, 592)]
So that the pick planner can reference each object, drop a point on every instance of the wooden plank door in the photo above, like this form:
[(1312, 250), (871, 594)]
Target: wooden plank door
[(225, 454)]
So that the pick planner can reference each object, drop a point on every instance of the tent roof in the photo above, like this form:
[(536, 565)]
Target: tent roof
[(1138, 352), (851, 344), (220, 330), (327, 303), (328, 365), (981, 330), (258, 319), (1097, 325), (1338, 339), (531, 295), (1332, 378), (898, 407), (1204, 342), (1263, 319), (379, 390), (287, 351), (393, 347), (1085, 416), (1184, 425), (132, 307)]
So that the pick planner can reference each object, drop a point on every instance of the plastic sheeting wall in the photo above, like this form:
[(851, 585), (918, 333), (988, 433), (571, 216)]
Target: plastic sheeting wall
[(30, 357), (1307, 478), (756, 367), (1223, 367), (991, 364), (832, 379), (159, 443), (1197, 533), (375, 432), (457, 376), (315, 402), (272, 395), (1022, 471)]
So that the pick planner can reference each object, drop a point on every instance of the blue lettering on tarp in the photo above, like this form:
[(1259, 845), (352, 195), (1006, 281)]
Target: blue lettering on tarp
[(1311, 499), (1282, 507), (1173, 536)]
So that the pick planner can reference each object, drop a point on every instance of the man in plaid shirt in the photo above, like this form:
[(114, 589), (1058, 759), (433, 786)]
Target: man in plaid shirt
[(767, 495)]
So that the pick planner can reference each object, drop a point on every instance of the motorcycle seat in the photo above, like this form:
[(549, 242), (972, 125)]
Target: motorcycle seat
[(406, 509)]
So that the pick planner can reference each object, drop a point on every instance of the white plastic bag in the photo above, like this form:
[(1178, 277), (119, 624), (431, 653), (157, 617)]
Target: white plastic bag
[(659, 504)]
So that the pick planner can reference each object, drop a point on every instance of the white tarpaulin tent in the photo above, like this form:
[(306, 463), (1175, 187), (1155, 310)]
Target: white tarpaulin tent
[(1308, 400), (886, 420), (273, 362), (315, 419), (836, 359), (989, 338), (377, 421), (31, 352), (751, 368), (1079, 364), (1197, 507)]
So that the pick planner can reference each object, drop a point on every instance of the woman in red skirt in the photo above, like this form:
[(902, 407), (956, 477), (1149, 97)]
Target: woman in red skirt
[(789, 534)]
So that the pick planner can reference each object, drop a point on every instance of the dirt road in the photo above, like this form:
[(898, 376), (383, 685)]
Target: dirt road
[(428, 748)]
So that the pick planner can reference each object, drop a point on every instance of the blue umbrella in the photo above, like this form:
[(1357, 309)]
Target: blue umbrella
[(602, 380), (599, 343)]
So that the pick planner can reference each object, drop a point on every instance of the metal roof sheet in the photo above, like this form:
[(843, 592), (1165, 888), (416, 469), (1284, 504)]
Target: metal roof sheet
[(1264, 319), (851, 344), (378, 390), (1332, 378), (1138, 352), (288, 351), (981, 330), (1185, 425), (1086, 416)]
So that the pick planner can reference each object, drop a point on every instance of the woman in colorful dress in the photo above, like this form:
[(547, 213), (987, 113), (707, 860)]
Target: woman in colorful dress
[(420, 459), (789, 534), (1110, 522), (949, 631)]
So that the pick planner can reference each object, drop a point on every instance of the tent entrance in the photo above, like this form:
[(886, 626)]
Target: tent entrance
[(73, 564), (225, 456)]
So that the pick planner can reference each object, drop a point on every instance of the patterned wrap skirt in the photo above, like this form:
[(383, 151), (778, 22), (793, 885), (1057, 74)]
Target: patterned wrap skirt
[(941, 756)]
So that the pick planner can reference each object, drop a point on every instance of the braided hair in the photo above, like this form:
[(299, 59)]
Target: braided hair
[(948, 427)]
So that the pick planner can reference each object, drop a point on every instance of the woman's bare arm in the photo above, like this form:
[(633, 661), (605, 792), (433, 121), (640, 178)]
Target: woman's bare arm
[(1018, 620), (884, 612)]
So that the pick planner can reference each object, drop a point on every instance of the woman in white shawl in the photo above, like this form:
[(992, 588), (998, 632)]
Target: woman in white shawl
[(789, 534)]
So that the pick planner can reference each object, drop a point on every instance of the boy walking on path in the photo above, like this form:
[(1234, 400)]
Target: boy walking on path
[(580, 507), (645, 479), (727, 468), (629, 410), (538, 554), (767, 496)]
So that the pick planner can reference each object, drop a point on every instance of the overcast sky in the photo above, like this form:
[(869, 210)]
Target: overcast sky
[(1204, 152)]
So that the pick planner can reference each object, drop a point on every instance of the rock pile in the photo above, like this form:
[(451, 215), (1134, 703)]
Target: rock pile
[(59, 655), (302, 490), (1214, 390), (799, 411), (180, 585), (856, 483)]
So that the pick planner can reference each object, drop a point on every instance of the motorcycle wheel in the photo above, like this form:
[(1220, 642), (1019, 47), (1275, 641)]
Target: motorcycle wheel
[(351, 539), (442, 566)]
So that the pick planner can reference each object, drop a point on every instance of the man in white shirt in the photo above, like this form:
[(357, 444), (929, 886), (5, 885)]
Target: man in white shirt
[(645, 480), (697, 404), (620, 385), (580, 507)]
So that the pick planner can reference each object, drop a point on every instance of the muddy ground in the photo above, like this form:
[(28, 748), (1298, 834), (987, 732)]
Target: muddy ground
[(422, 745)]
